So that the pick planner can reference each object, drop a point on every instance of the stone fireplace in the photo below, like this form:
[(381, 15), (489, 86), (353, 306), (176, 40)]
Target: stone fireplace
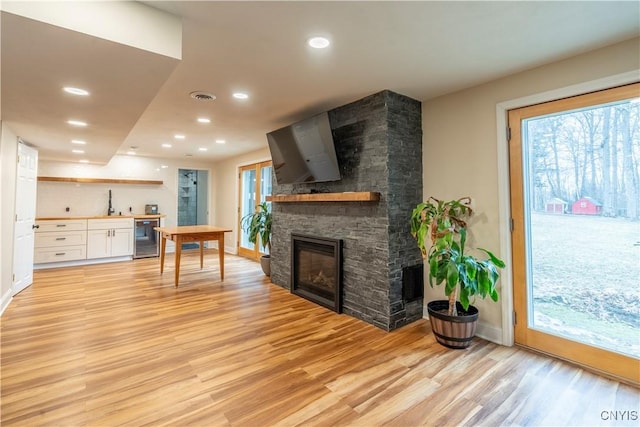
[(378, 141), (316, 270)]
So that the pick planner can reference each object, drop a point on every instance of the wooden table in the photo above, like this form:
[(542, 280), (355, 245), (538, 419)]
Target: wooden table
[(191, 233)]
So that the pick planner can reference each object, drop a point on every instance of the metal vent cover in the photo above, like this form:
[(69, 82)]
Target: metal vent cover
[(202, 96)]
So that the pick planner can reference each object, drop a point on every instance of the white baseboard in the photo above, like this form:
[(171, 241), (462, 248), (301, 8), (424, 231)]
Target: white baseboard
[(6, 300), (81, 262), (213, 244), (489, 333)]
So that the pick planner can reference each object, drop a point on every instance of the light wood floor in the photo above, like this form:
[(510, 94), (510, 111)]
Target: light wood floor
[(117, 344)]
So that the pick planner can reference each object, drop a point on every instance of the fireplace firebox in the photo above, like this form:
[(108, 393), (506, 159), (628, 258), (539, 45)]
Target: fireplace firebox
[(316, 270)]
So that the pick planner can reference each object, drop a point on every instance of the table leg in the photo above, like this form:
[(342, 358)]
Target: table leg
[(178, 253), (163, 247), (201, 244), (221, 254)]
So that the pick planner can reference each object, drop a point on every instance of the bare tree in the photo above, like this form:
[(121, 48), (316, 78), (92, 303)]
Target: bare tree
[(553, 174), (630, 175), (615, 182), (579, 154), (608, 191)]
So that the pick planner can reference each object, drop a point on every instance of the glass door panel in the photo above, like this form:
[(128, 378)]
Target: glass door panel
[(576, 241), (254, 187), (247, 202), (265, 190)]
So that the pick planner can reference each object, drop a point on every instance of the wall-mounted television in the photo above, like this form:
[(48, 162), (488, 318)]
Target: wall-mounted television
[(304, 152)]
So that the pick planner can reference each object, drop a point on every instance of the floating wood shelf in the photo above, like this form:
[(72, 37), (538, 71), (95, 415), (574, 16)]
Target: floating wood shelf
[(99, 180), (362, 196)]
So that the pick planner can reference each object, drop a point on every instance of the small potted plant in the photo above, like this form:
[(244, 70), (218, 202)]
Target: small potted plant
[(440, 229), (258, 224)]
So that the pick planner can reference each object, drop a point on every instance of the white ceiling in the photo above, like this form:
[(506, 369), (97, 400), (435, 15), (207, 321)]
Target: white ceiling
[(141, 99)]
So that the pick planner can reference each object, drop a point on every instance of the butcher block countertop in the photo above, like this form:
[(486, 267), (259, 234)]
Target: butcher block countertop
[(136, 216)]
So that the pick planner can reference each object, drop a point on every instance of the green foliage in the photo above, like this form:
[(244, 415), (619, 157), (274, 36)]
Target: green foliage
[(258, 223), (440, 230)]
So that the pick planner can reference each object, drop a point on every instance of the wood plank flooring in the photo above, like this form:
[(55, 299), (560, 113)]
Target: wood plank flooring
[(118, 345)]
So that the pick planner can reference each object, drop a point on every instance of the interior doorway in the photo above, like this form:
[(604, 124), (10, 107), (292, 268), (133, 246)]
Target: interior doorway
[(193, 199)]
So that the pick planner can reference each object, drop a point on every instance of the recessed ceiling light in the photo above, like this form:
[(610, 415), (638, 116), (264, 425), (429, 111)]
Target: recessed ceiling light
[(166, 145), (78, 142), (178, 136), (164, 166), (240, 95), (76, 123), (318, 42), (203, 120), (78, 151), (131, 153), (220, 141), (84, 161), (202, 149), (76, 91)]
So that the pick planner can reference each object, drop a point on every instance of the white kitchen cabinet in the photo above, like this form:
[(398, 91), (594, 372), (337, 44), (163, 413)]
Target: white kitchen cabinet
[(60, 240), (109, 237)]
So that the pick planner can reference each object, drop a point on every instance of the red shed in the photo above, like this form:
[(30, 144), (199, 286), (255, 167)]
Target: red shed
[(586, 206), (555, 206)]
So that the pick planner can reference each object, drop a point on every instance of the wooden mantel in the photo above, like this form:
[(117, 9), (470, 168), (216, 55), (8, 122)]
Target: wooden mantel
[(360, 196), (98, 180)]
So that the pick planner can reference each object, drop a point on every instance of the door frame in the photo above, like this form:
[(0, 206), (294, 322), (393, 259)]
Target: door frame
[(504, 190)]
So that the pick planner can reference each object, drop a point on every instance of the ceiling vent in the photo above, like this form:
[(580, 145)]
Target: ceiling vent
[(202, 96)]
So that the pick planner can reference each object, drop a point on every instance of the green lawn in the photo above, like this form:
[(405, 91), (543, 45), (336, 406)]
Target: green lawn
[(586, 279)]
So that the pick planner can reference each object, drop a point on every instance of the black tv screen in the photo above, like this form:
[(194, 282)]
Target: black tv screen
[(304, 152)]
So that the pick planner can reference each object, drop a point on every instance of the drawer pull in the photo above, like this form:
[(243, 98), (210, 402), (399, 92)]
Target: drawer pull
[(61, 253), (61, 238), (61, 225)]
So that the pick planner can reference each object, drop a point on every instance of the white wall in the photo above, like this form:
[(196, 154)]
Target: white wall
[(8, 170), (460, 154), (202, 193), (92, 199), (225, 193)]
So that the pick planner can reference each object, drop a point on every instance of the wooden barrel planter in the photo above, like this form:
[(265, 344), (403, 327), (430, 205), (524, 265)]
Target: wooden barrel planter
[(452, 331), (265, 263)]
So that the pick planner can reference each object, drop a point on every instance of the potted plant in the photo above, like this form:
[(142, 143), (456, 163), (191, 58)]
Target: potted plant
[(257, 224), (440, 229)]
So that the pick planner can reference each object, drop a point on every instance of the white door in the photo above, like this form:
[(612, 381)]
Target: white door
[(25, 217)]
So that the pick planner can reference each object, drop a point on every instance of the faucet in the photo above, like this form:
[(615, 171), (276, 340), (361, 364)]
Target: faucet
[(110, 210)]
